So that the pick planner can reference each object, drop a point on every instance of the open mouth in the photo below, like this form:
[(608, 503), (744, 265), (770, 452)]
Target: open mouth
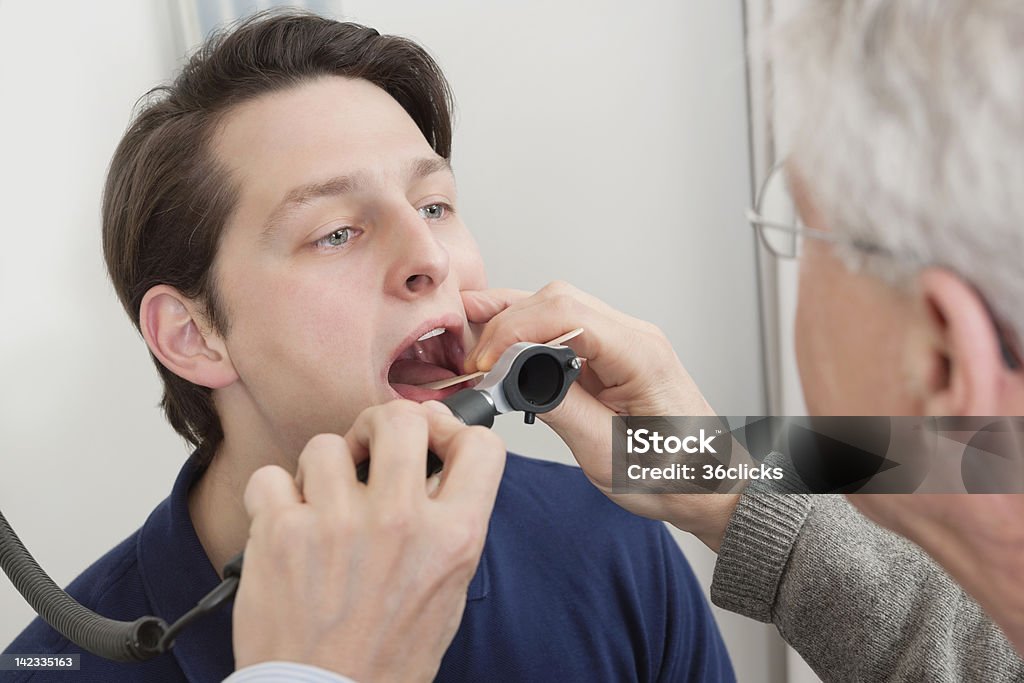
[(435, 354)]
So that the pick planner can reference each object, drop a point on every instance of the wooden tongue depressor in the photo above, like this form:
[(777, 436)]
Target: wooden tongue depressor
[(452, 381), (572, 334)]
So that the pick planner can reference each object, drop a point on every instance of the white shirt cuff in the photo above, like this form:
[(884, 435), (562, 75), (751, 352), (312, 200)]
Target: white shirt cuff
[(293, 672)]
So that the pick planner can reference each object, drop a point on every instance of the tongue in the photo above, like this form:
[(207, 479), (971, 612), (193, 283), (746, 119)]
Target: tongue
[(416, 372)]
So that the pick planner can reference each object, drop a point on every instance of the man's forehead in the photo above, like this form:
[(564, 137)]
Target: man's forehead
[(330, 125), (326, 137)]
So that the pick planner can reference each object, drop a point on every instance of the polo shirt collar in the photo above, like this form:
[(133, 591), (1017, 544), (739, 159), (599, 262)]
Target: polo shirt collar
[(177, 574)]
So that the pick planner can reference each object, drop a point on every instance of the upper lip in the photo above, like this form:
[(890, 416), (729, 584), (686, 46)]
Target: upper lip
[(453, 325)]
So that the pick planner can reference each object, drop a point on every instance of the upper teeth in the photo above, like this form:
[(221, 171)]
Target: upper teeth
[(433, 333)]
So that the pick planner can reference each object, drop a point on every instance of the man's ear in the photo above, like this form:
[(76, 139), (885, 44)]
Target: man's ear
[(176, 333), (964, 373)]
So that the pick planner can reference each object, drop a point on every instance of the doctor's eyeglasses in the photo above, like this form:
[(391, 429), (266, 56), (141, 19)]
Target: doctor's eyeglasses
[(780, 229), (782, 233)]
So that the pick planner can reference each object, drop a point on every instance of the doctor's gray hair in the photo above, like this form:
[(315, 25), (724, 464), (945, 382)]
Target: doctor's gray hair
[(908, 129)]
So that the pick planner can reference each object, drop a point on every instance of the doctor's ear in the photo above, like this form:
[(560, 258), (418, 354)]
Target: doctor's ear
[(177, 332), (968, 371)]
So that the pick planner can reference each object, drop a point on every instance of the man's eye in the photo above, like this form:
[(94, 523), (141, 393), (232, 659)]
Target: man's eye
[(434, 212), (337, 238)]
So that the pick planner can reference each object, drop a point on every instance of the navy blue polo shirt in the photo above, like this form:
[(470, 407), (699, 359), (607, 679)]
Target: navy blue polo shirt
[(570, 587)]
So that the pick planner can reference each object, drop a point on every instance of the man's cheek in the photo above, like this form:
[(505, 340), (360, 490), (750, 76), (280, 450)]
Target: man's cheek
[(467, 263), (472, 275)]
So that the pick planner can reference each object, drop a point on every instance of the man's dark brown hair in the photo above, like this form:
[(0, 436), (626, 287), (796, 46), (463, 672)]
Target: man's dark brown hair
[(167, 198)]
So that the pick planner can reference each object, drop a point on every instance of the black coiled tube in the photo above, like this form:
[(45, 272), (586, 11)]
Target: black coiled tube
[(122, 641)]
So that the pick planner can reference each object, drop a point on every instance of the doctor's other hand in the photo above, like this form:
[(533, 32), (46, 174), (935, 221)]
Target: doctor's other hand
[(368, 581), (631, 369)]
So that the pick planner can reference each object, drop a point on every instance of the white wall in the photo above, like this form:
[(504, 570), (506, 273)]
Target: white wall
[(84, 450), (597, 142)]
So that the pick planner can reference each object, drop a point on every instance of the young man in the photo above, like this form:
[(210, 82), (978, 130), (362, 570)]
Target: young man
[(282, 226)]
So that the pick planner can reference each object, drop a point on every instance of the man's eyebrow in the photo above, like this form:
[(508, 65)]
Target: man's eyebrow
[(421, 168), (340, 185), (303, 194)]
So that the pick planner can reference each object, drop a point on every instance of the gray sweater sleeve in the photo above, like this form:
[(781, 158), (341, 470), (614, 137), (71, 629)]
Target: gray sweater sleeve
[(858, 602)]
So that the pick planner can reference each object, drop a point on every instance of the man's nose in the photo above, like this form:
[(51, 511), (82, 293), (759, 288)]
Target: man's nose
[(420, 260)]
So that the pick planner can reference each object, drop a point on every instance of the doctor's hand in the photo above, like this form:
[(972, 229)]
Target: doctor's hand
[(631, 369), (368, 581)]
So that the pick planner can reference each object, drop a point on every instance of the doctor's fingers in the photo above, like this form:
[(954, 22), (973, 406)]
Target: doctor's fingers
[(550, 313), (270, 489), (474, 461), (326, 475), (394, 437)]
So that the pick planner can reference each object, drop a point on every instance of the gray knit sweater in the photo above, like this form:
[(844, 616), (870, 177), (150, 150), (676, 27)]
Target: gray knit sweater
[(858, 602)]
